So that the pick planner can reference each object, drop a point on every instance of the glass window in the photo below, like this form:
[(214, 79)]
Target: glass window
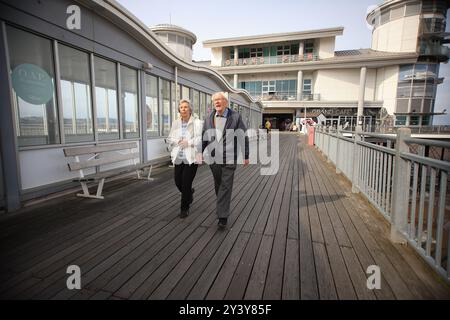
[(425, 120), (430, 91), (165, 93), (151, 103), (185, 93), (397, 12), (75, 94), (283, 50), (307, 86), (244, 53), (427, 105), (385, 16), (180, 40), (33, 88), (406, 72), (412, 9), (402, 105), (208, 104), (418, 90), (172, 38), (175, 100), (106, 99), (202, 105), (196, 102), (309, 47), (129, 95), (400, 120), (414, 120), (256, 52), (416, 105)]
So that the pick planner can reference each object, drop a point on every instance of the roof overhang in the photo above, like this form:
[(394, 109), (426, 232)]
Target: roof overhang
[(274, 37)]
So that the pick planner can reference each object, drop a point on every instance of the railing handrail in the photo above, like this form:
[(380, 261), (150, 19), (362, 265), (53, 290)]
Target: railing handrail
[(429, 142)]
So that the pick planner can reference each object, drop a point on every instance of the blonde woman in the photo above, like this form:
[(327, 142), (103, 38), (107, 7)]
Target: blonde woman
[(185, 142)]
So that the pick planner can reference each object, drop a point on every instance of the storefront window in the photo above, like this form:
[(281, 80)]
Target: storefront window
[(202, 105), (196, 102), (129, 96), (185, 93), (106, 99), (33, 88), (175, 100), (151, 103), (165, 93), (209, 106), (75, 94)]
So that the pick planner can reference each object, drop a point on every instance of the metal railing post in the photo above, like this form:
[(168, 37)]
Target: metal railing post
[(338, 137), (356, 160), (400, 188), (328, 143)]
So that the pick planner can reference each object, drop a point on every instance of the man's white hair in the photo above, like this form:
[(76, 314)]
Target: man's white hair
[(221, 93)]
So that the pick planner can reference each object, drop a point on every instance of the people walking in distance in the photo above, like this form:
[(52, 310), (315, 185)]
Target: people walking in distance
[(185, 143), (268, 126), (224, 134)]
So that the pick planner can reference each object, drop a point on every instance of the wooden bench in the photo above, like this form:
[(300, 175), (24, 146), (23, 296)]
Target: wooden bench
[(105, 154)]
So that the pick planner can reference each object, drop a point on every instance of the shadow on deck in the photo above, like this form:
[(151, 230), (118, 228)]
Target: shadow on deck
[(299, 234)]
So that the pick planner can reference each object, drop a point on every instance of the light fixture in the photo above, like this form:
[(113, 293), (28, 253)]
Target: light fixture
[(147, 66)]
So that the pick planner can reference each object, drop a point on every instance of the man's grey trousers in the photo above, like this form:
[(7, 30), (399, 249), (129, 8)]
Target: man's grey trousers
[(223, 184)]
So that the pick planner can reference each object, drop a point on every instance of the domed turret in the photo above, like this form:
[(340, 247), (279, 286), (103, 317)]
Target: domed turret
[(178, 39)]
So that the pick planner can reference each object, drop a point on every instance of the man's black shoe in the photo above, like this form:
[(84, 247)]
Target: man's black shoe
[(184, 213), (192, 196), (222, 223)]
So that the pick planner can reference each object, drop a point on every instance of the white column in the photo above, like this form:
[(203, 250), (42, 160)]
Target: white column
[(301, 49), (362, 89), (235, 80), (236, 53), (299, 85)]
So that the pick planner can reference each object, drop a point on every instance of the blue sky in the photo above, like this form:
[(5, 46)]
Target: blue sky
[(232, 18)]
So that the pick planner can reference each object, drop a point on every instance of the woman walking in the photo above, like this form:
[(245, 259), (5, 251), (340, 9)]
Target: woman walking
[(185, 142)]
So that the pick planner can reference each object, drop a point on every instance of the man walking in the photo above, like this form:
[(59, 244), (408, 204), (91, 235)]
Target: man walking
[(221, 132)]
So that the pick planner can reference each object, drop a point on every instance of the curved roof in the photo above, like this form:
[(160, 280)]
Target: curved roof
[(125, 20), (165, 27)]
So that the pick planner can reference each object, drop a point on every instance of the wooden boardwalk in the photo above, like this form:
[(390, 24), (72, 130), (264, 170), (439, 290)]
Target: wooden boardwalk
[(299, 234)]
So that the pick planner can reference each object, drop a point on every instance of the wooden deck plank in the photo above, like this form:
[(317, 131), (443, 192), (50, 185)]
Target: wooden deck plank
[(291, 277), (255, 286), (238, 283)]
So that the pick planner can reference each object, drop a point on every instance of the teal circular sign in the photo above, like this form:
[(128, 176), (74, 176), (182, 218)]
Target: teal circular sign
[(32, 83)]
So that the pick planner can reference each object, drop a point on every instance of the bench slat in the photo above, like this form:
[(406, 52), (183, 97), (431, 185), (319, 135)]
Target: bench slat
[(101, 161), (77, 151)]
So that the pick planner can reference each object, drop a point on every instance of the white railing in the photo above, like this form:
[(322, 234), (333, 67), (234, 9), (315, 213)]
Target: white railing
[(407, 187)]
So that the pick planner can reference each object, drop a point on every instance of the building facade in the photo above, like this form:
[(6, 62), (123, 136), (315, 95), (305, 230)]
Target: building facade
[(87, 73), (299, 74)]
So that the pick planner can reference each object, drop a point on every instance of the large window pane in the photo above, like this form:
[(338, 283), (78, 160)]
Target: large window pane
[(196, 102), (209, 106), (151, 103), (75, 94), (33, 86), (106, 99), (165, 93), (202, 105), (129, 95), (402, 105), (185, 93), (175, 101)]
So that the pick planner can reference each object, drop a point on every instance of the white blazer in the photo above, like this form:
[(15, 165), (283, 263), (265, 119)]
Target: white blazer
[(193, 136)]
